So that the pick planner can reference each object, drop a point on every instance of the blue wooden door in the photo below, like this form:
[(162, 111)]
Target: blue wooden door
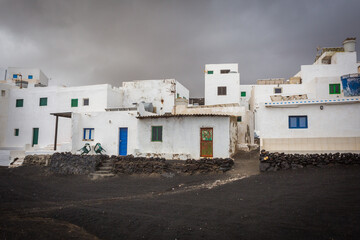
[(123, 136)]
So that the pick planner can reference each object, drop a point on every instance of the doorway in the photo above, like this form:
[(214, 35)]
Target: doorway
[(206, 142)]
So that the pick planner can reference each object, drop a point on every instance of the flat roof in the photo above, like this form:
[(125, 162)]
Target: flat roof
[(185, 115)]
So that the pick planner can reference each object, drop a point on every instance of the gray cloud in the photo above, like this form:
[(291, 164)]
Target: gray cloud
[(89, 41)]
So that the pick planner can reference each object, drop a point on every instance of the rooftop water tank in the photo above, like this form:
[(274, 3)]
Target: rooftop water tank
[(349, 44)]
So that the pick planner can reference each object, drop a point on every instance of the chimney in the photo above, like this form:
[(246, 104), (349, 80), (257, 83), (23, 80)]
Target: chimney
[(349, 44)]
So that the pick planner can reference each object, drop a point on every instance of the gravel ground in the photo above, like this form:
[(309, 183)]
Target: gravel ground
[(309, 203)]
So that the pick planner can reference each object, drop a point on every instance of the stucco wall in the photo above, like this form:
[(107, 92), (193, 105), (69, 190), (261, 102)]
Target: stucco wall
[(31, 115), (334, 121), (230, 80), (161, 93), (181, 135), (106, 126)]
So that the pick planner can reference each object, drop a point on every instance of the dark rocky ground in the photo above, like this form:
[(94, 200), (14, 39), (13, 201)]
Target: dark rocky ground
[(308, 203)]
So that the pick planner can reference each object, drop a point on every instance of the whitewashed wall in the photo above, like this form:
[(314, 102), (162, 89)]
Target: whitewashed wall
[(31, 115), (336, 127), (342, 63), (181, 136), (106, 130), (182, 91), (230, 80), (161, 93), (38, 75)]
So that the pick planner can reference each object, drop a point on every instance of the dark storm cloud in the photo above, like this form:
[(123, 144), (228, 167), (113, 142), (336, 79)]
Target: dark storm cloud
[(88, 42)]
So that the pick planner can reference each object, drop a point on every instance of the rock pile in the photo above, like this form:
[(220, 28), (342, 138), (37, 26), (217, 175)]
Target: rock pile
[(277, 161), (138, 165), (42, 160), (67, 163)]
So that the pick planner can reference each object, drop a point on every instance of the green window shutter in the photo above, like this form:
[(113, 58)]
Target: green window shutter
[(156, 133), (19, 102), (210, 72), (16, 132), (74, 102), (243, 94), (43, 101), (334, 88)]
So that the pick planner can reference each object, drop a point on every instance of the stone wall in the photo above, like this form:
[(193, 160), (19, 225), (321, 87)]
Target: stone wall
[(42, 160), (278, 161), (67, 163), (137, 165)]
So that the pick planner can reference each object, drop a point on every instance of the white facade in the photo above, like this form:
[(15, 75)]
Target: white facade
[(161, 93), (222, 84), (106, 127), (32, 115), (332, 119), (29, 75)]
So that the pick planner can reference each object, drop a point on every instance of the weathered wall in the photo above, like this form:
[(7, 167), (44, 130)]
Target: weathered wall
[(106, 130), (161, 93), (181, 136)]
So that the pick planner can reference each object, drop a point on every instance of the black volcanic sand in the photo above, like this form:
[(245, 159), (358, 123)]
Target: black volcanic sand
[(309, 203)]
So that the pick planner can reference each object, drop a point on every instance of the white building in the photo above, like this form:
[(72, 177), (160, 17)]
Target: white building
[(313, 114), (222, 84)]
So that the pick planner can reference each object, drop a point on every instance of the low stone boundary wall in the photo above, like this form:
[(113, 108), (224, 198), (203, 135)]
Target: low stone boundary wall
[(42, 160), (278, 161), (67, 163), (138, 165)]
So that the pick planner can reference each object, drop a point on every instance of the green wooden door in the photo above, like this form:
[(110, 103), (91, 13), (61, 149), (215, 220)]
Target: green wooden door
[(35, 136), (206, 142)]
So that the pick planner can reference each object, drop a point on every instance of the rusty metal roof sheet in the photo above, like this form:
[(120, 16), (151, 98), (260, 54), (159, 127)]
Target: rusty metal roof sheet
[(185, 115)]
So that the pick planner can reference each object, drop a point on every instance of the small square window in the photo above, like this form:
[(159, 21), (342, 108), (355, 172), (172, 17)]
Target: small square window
[(224, 71), (277, 90), (86, 102), (243, 94), (3, 93), (221, 91), (19, 102), (156, 133), (334, 88), (16, 132), (74, 102), (88, 134), (43, 101), (30, 76), (298, 122), (239, 119), (210, 72), (15, 75)]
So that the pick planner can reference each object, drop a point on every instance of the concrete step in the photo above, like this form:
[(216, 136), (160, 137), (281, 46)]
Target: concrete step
[(105, 168), (101, 175), (103, 171)]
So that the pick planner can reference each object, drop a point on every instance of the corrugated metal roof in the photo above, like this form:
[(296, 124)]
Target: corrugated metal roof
[(184, 115)]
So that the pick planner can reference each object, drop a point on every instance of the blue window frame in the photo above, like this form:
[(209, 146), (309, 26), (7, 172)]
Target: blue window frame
[(298, 122), (14, 75), (88, 134), (30, 77)]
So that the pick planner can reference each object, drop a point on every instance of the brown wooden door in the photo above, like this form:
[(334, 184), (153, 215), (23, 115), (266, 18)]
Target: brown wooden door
[(206, 142)]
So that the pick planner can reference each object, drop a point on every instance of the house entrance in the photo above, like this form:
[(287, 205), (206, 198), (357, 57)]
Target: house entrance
[(123, 137), (206, 142), (35, 139)]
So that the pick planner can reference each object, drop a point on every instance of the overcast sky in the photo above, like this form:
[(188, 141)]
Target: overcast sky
[(93, 41)]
